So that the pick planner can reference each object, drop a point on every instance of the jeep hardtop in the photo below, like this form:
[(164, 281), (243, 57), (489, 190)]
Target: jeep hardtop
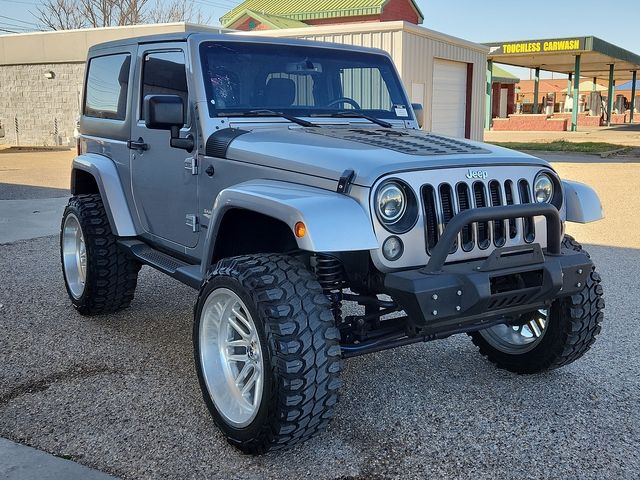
[(290, 184)]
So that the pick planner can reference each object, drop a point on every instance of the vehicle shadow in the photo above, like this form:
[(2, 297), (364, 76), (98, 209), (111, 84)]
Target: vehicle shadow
[(10, 191)]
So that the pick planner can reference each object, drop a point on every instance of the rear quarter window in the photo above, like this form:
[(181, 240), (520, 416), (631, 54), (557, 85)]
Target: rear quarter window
[(107, 87)]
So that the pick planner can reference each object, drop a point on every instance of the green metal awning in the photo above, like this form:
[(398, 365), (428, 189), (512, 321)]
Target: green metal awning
[(500, 75), (558, 55)]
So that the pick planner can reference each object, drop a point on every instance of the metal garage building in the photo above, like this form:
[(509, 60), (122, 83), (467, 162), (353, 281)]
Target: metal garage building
[(41, 74), (447, 75)]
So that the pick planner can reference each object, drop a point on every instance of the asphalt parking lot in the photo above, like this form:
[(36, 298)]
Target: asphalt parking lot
[(119, 393)]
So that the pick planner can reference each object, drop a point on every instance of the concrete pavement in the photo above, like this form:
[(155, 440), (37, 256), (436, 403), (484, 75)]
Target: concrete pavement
[(19, 462), (119, 393), (25, 219)]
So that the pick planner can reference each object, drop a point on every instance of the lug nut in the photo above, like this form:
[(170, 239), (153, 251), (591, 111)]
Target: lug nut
[(579, 271), (434, 296), (435, 312), (578, 284), (457, 308), (459, 293)]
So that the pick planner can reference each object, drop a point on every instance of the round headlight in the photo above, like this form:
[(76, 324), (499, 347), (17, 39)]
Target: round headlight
[(391, 203), (392, 248), (543, 188)]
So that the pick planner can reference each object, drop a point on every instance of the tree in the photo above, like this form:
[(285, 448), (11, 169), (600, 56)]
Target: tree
[(69, 14), (60, 14)]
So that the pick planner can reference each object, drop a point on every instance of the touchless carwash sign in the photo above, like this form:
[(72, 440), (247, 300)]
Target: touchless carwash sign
[(539, 46)]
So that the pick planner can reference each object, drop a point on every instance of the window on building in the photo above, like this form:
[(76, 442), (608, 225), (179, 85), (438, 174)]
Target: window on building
[(164, 73), (107, 86)]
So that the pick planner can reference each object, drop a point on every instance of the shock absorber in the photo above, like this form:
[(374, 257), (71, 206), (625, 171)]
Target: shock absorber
[(330, 274)]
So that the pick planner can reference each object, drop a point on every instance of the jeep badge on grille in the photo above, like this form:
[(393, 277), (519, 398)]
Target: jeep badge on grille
[(476, 174)]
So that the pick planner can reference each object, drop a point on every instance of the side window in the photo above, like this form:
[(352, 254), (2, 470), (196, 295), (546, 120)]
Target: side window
[(107, 85), (164, 73)]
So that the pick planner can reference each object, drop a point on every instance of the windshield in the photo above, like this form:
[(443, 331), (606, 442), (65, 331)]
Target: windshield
[(297, 80)]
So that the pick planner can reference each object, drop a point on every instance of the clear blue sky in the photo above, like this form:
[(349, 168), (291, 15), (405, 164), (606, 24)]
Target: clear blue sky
[(475, 20)]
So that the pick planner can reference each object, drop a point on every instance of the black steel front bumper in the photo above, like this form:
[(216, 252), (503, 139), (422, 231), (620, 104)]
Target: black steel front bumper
[(472, 295)]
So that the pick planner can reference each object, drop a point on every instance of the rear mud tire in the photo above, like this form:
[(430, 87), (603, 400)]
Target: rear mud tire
[(574, 323), (111, 274)]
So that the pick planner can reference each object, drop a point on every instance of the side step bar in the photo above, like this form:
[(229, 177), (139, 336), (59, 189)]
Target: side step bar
[(181, 271)]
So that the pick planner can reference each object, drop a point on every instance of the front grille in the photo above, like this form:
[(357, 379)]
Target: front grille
[(442, 201)]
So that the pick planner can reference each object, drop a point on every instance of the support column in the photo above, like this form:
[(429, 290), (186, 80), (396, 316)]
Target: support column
[(489, 100), (610, 95), (633, 95), (536, 90), (569, 88), (576, 95), (593, 84)]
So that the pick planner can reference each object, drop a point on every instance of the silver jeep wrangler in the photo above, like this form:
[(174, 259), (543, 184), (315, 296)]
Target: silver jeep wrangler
[(282, 179)]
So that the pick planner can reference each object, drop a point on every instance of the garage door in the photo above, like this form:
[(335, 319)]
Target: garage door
[(449, 102)]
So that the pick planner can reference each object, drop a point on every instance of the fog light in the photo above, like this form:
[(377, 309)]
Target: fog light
[(392, 248)]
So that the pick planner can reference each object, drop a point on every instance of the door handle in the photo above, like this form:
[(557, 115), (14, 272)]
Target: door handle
[(137, 144)]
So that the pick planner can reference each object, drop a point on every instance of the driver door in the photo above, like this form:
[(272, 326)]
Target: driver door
[(165, 192)]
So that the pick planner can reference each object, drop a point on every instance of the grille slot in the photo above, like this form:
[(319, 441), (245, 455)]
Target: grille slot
[(508, 193), (480, 199), (431, 216), (447, 209), (529, 232), (464, 203), (441, 201), (499, 238)]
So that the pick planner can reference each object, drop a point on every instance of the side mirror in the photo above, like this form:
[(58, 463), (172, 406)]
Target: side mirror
[(166, 112), (418, 111)]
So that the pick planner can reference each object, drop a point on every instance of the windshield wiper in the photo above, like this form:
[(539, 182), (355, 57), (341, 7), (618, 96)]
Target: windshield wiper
[(269, 113), (355, 114)]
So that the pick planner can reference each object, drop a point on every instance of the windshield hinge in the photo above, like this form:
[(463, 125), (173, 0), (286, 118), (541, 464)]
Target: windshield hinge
[(191, 164), (345, 181)]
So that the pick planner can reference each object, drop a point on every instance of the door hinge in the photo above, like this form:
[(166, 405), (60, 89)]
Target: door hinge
[(191, 164), (192, 221)]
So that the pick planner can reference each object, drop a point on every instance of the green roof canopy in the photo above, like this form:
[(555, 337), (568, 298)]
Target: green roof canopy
[(302, 10), (558, 55), (272, 20), (500, 75)]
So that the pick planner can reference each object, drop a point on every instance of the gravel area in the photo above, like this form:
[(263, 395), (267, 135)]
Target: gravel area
[(119, 393)]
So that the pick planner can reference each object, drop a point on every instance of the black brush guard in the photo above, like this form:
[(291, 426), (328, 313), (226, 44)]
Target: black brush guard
[(442, 299)]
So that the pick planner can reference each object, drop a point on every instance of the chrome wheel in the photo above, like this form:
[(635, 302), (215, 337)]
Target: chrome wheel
[(518, 339), (74, 255), (231, 357)]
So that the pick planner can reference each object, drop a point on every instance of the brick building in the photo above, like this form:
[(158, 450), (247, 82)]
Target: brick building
[(276, 14), (41, 78), (503, 100)]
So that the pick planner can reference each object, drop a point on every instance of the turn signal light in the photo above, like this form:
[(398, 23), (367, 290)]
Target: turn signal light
[(300, 229)]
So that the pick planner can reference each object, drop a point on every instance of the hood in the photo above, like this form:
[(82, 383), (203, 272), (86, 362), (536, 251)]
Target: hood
[(370, 152)]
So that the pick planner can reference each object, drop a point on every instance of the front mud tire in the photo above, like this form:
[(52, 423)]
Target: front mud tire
[(299, 344), (573, 324)]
